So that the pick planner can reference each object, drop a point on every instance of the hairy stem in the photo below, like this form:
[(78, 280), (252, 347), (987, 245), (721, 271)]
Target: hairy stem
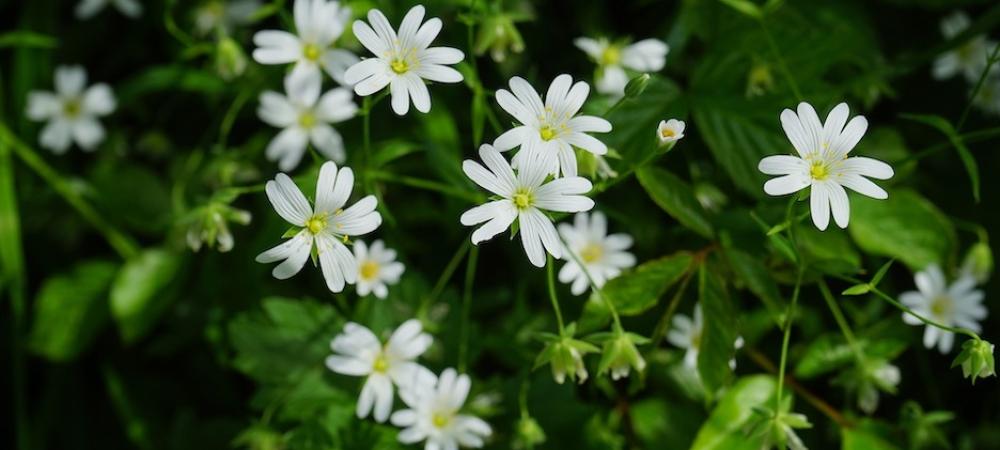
[(552, 294), (838, 315), (443, 279)]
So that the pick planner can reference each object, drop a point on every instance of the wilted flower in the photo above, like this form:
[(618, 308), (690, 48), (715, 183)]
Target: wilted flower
[(603, 255), (670, 131), (358, 352), (822, 163), (89, 8), (976, 359), (620, 355), (209, 225), (970, 58), (959, 304), (434, 415), (402, 60), (612, 58), (377, 268), (318, 23), (524, 197), (71, 111)]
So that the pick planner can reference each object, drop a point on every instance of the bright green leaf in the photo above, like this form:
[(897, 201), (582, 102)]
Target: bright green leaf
[(906, 226), (725, 427), (635, 292), (139, 294), (70, 310)]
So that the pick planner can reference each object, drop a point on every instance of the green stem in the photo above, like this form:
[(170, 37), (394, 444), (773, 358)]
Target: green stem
[(968, 138), (552, 295), (838, 315), (123, 244), (789, 320), (443, 279), (992, 59), (428, 185), (470, 277), (781, 61), (923, 319), (600, 293), (614, 107)]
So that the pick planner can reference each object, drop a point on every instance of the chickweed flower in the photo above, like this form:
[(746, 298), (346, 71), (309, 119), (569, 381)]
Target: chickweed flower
[(603, 255), (318, 23), (878, 375), (670, 131), (71, 111), (958, 304), (524, 197), (328, 226), (89, 8), (970, 58), (209, 225), (549, 130), (565, 355), (613, 58), (305, 117), (434, 414), (358, 352), (377, 268), (822, 163), (403, 60)]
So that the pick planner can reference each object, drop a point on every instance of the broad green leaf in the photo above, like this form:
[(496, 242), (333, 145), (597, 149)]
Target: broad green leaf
[(444, 149), (829, 352), (945, 127), (724, 429), (867, 435), (140, 292), (117, 185), (28, 39), (906, 226), (829, 251), (718, 332), (392, 150), (635, 292), (677, 198), (754, 274), (746, 7), (70, 309)]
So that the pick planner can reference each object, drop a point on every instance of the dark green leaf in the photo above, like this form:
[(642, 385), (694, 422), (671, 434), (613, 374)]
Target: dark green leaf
[(70, 310), (906, 226), (718, 332), (635, 292), (27, 39), (677, 198), (140, 294), (944, 126), (754, 274)]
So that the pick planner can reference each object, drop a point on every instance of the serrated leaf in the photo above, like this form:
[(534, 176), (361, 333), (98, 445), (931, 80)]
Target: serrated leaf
[(906, 226), (718, 331), (70, 309), (676, 197)]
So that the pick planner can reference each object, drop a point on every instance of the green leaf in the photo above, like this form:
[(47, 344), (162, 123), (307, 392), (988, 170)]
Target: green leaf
[(70, 309), (139, 293), (754, 274), (944, 126), (829, 251), (635, 292), (634, 133), (867, 435), (677, 198), (392, 150), (173, 78), (746, 7), (117, 185), (724, 429), (858, 289), (444, 150), (906, 226), (718, 332), (27, 39)]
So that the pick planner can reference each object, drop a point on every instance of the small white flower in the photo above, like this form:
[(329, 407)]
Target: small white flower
[(957, 305), (647, 55), (305, 117), (523, 197), (434, 414), (71, 111), (89, 8), (328, 226), (670, 131), (224, 15), (318, 23), (603, 255), (402, 60), (881, 376), (970, 58), (687, 333), (549, 131), (377, 268), (822, 163), (359, 353)]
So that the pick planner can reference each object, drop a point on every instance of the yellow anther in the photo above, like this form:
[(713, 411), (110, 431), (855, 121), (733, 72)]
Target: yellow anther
[(522, 199), (547, 133), (668, 133), (380, 365), (307, 120), (311, 52), (818, 171), (369, 269), (72, 108), (399, 66), (591, 253), (611, 55), (316, 224), (440, 420)]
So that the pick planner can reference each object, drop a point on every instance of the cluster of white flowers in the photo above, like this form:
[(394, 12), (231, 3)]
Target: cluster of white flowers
[(433, 403), (970, 60)]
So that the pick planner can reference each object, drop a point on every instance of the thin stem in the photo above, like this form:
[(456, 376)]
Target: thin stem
[(661, 327), (789, 320), (598, 290), (122, 243), (781, 61), (470, 277), (990, 60), (443, 278), (968, 138), (428, 185), (552, 294), (838, 315), (816, 401), (614, 107), (923, 319)]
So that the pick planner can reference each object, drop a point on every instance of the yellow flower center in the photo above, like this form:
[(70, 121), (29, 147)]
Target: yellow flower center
[(316, 223), (523, 199), (941, 306), (440, 420), (399, 66), (819, 171), (72, 108), (369, 269), (307, 120), (547, 133), (668, 133), (611, 55), (380, 365), (696, 340), (311, 52), (591, 253)]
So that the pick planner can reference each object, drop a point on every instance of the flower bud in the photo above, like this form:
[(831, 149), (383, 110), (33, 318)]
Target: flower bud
[(529, 433), (230, 61), (669, 132), (209, 225), (636, 86), (499, 35), (978, 262), (565, 356), (621, 355), (976, 359)]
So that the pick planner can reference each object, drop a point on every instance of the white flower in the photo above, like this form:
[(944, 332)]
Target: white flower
[(647, 55), (328, 226), (89, 8), (603, 255), (359, 353), (823, 163), (523, 197), (880, 376), (305, 117), (970, 58), (318, 23), (224, 15), (434, 414), (957, 305), (988, 98), (402, 61), (687, 333), (71, 111), (670, 131), (549, 131), (377, 268)]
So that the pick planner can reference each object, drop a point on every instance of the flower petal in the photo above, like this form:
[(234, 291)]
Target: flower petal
[(288, 200)]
